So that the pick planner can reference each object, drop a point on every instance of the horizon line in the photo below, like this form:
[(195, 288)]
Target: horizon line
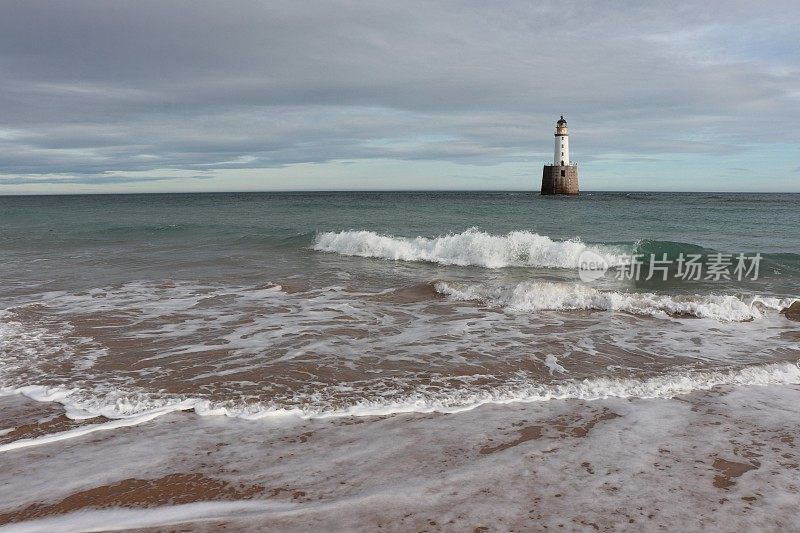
[(410, 191)]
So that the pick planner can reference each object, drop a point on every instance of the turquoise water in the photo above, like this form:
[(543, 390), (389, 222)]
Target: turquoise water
[(374, 302), (79, 240)]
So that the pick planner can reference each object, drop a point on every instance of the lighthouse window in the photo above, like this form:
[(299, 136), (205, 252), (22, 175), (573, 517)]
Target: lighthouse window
[(563, 173)]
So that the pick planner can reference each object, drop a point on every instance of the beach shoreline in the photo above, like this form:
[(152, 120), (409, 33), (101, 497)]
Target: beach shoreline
[(725, 457)]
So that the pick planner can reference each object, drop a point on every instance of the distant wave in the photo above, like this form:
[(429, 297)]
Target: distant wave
[(469, 248), (537, 296)]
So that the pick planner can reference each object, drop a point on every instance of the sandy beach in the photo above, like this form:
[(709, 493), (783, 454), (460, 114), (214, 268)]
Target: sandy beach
[(725, 458)]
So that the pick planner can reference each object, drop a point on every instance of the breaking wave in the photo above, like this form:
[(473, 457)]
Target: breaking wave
[(538, 296), (469, 248)]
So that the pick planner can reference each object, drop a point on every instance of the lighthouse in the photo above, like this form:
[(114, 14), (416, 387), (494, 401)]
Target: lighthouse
[(561, 153), (562, 176)]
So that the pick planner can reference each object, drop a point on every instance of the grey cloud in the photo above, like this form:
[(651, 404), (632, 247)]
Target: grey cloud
[(100, 179), (89, 87)]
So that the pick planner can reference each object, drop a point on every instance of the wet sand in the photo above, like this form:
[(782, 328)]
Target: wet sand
[(725, 459)]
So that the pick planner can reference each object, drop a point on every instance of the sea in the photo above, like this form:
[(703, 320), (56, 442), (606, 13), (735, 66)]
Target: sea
[(244, 309)]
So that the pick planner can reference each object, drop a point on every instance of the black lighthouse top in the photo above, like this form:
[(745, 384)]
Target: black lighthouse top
[(561, 129)]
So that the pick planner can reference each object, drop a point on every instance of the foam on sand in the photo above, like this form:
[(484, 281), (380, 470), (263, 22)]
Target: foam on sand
[(140, 418), (524, 390), (121, 519), (538, 296), (461, 466), (520, 388), (469, 248)]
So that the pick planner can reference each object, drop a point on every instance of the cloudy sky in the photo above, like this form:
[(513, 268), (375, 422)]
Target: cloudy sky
[(136, 96)]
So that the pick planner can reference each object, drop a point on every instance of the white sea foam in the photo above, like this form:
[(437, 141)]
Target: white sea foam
[(551, 362), (537, 296), (425, 341), (523, 390), (140, 418), (157, 517), (519, 388), (469, 248), (396, 464)]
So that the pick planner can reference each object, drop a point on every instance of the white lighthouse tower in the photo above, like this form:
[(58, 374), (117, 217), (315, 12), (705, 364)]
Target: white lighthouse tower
[(561, 153), (562, 176)]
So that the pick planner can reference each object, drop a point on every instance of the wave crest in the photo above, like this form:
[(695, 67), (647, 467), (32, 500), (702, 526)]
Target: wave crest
[(538, 296), (469, 248)]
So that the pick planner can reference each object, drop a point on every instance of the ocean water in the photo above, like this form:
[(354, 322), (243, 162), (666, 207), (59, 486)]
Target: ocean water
[(323, 305)]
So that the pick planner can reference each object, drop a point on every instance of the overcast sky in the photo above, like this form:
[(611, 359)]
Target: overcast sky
[(135, 96)]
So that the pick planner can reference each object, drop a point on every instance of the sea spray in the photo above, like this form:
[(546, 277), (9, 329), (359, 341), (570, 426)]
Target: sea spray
[(469, 248), (539, 296)]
